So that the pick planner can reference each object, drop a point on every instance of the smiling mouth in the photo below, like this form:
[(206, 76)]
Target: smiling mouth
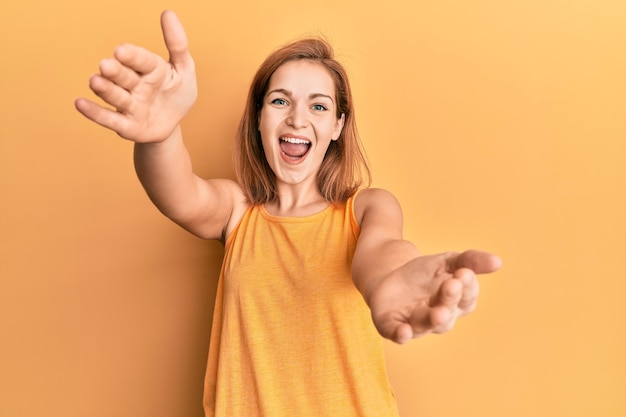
[(294, 148)]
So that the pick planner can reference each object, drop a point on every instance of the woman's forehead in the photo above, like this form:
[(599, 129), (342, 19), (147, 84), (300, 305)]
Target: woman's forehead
[(303, 76)]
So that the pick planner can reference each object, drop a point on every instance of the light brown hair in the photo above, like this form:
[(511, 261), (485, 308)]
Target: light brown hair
[(344, 168)]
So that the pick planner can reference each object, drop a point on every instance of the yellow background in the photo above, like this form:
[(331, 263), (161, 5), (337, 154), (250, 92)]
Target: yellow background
[(498, 124)]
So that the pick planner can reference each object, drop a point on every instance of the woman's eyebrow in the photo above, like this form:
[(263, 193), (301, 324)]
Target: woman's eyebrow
[(318, 95), (288, 93), (279, 90)]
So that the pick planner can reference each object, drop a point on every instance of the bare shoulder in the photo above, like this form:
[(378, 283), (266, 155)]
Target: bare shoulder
[(377, 206)]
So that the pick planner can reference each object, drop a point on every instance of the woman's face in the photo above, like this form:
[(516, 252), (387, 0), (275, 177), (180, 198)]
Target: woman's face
[(298, 120)]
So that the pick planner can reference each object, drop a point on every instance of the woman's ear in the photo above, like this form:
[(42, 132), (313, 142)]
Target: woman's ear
[(338, 127)]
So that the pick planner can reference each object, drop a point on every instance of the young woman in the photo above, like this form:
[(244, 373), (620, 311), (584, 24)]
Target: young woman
[(315, 266)]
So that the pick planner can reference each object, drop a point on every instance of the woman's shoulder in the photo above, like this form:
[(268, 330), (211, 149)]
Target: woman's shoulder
[(374, 201)]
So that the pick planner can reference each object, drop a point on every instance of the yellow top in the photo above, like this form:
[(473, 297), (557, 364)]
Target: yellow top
[(291, 334)]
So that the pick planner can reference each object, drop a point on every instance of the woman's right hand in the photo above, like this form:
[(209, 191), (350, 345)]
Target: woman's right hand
[(150, 96)]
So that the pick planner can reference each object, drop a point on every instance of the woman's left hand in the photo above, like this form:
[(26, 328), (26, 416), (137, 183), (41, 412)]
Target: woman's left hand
[(428, 294)]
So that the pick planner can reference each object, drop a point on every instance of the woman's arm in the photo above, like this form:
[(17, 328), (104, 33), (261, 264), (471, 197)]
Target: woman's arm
[(410, 295), (203, 207), (150, 97)]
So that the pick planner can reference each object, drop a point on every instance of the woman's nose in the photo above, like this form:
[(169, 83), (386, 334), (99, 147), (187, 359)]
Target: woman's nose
[(297, 117)]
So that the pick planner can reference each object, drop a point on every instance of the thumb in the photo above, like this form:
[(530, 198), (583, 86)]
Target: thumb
[(478, 261), (175, 39)]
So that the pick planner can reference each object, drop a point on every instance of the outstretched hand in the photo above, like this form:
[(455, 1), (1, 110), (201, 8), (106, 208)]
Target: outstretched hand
[(149, 95), (428, 294)]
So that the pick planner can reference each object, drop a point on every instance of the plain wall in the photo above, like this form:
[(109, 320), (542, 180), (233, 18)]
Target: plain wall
[(499, 125)]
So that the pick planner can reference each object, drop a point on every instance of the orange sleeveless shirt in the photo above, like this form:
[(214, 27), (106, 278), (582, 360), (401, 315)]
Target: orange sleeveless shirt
[(291, 334)]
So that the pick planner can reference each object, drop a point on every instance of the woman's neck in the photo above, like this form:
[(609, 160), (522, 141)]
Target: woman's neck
[(296, 202)]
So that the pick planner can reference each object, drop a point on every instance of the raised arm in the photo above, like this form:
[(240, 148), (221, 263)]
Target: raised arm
[(150, 97), (410, 295)]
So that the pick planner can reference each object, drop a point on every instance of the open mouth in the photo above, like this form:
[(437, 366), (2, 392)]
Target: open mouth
[(294, 148)]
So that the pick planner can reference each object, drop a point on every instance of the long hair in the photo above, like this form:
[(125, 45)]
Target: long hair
[(344, 168)]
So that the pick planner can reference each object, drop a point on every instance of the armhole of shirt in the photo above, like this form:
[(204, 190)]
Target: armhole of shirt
[(356, 227), (233, 232)]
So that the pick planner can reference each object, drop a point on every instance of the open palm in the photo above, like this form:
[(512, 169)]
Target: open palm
[(149, 95), (428, 294)]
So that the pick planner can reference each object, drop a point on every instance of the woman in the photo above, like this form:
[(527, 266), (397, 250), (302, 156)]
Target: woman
[(310, 261)]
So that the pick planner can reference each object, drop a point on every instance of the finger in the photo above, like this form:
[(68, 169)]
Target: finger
[(478, 261), (175, 39), (121, 75), (400, 328), (110, 92), (445, 309), (137, 58), (449, 294), (442, 319), (421, 322), (469, 294), (404, 333), (101, 115)]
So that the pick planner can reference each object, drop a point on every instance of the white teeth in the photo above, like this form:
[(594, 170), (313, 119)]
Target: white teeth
[(295, 140)]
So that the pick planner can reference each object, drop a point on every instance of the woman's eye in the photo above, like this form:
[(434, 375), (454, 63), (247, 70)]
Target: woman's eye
[(319, 107), (279, 101)]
